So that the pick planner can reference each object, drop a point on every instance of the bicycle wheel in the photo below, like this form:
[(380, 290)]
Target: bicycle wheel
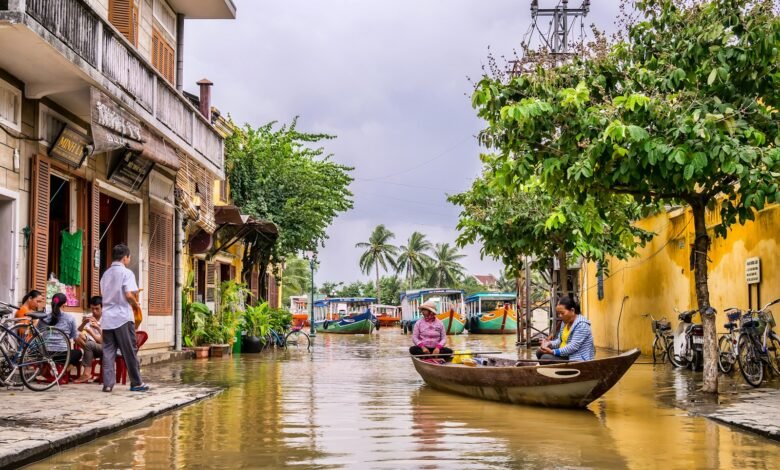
[(297, 339), (659, 350), (10, 346), (725, 355), (37, 362), (749, 362), (773, 351)]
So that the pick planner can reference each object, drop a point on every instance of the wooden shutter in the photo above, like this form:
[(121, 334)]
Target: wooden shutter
[(123, 14), (39, 218), (94, 240), (163, 56), (254, 286), (273, 291), (160, 263), (232, 273), (211, 282)]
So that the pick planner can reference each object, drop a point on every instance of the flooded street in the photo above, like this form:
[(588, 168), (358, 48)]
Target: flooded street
[(357, 402)]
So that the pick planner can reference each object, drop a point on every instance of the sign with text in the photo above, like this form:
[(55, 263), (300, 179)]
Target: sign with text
[(753, 270), (70, 147)]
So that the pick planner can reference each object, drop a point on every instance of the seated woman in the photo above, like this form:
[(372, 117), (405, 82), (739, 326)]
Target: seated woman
[(33, 301), (575, 340), (65, 322), (429, 336)]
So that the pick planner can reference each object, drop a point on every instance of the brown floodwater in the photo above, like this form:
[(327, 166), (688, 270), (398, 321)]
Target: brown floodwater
[(357, 402)]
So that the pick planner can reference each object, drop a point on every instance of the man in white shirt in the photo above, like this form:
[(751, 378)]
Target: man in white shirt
[(119, 291)]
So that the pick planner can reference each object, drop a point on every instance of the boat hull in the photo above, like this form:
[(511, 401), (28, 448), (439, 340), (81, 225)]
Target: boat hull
[(452, 322), (560, 385), (494, 325), (343, 327)]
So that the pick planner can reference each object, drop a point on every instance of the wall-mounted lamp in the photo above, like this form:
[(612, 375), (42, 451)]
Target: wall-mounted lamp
[(17, 163), (196, 198)]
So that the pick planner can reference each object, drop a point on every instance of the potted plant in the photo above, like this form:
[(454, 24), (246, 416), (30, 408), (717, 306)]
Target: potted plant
[(197, 318), (256, 323), (226, 319)]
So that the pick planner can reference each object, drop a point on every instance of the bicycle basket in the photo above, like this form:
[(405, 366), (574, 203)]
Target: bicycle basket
[(733, 316), (660, 325), (749, 323)]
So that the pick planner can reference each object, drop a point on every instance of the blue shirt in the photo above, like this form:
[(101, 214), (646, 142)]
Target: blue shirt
[(66, 324), (580, 345)]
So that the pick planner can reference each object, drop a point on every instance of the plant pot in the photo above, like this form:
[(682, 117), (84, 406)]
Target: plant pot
[(202, 352), (220, 350), (251, 344)]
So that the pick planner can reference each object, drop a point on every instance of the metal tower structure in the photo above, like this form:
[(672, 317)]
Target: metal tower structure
[(555, 36)]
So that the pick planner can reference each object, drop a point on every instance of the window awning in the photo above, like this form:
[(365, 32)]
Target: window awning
[(232, 226)]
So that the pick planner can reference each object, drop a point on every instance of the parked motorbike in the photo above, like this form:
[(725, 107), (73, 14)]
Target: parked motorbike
[(687, 349)]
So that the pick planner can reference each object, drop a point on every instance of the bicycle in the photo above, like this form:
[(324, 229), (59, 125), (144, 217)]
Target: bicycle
[(662, 330), (24, 350), (295, 338), (758, 345), (728, 343)]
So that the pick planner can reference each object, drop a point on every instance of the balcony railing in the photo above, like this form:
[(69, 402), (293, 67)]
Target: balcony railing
[(77, 25)]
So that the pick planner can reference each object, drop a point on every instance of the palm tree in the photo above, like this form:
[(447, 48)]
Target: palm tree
[(506, 284), (295, 278), (413, 256), (445, 269), (379, 252)]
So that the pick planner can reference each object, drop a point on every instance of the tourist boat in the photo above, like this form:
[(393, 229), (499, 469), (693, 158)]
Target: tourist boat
[(538, 383), (491, 313), (386, 315), (299, 307), (344, 315), (449, 304)]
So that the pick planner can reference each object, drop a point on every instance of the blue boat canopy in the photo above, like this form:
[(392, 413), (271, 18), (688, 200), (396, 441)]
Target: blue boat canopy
[(344, 300), (417, 293), (491, 295)]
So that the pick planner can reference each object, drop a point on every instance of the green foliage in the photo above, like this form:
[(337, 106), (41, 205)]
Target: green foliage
[(379, 252), (197, 317), (330, 289), (355, 289), (413, 257), (256, 320), (296, 279), (282, 175), (445, 270), (390, 288), (471, 286)]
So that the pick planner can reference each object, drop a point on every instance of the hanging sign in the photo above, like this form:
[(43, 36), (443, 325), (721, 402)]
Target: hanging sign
[(131, 171), (71, 147), (114, 128), (753, 270)]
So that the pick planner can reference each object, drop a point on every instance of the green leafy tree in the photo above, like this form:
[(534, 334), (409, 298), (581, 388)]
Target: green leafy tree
[(391, 287), (353, 289), (413, 257), (515, 221), (445, 270), (284, 176), (330, 288), (296, 279), (379, 253), (470, 286), (684, 110)]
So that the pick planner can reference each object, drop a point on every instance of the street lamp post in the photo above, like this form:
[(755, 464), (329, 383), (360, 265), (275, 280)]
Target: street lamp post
[(312, 257)]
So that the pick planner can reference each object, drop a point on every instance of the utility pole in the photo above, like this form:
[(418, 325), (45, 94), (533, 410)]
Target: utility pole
[(556, 35)]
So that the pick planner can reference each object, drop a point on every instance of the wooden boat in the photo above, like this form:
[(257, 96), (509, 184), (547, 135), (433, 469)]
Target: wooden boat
[(386, 315), (491, 313), (344, 315), (299, 307), (449, 304), (538, 383)]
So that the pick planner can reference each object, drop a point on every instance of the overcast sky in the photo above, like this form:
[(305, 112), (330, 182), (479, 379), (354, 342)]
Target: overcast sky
[(389, 78)]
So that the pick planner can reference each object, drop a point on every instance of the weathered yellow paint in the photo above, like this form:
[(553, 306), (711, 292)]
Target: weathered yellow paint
[(660, 279)]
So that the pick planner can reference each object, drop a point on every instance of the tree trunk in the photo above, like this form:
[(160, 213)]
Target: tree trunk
[(701, 247), (378, 291), (564, 272)]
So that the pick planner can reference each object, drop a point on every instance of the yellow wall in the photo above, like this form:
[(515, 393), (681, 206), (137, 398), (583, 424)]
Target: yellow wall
[(660, 279)]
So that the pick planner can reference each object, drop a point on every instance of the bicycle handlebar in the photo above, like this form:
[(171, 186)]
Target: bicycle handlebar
[(770, 304), (8, 305)]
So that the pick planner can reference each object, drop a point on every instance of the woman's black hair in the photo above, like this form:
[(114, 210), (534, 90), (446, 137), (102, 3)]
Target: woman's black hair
[(569, 303), (56, 308), (33, 294)]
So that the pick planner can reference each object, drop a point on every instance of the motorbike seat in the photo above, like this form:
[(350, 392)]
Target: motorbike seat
[(730, 326)]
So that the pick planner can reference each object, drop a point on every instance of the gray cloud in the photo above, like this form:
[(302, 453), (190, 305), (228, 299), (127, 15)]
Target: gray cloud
[(388, 78)]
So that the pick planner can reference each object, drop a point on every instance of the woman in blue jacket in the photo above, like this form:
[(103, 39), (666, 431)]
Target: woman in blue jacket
[(575, 339)]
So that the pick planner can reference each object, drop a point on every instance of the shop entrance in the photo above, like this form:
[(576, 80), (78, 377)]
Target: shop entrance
[(114, 221)]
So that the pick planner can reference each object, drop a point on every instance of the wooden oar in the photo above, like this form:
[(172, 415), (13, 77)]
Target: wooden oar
[(473, 353)]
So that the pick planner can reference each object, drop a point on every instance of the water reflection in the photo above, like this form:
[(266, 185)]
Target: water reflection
[(357, 402)]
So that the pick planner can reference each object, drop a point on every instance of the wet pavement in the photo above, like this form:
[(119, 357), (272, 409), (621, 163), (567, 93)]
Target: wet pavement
[(357, 402)]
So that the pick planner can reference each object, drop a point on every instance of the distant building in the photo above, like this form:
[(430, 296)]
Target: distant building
[(488, 281)]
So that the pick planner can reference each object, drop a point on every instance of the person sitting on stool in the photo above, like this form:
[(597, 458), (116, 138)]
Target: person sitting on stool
[(575, 339), (429, 336)]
